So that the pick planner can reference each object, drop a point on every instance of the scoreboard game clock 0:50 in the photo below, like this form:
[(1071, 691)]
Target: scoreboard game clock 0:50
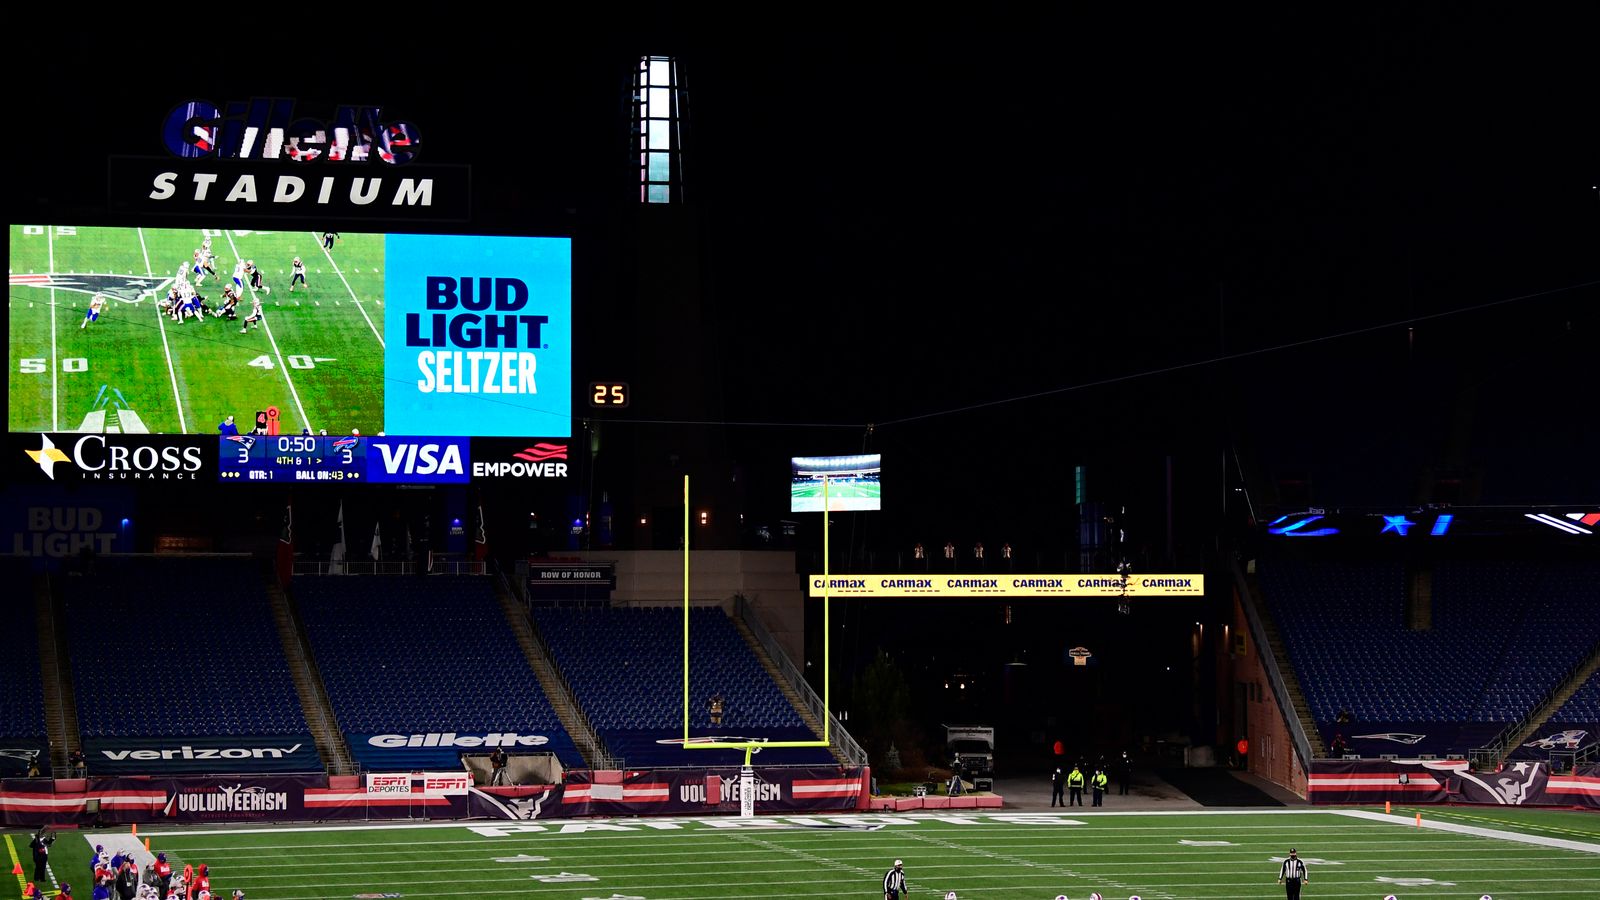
[(271, 458)]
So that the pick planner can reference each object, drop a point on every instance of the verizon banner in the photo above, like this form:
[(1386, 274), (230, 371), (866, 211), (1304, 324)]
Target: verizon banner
[(1520, 783), (676, 792), (196, 755)]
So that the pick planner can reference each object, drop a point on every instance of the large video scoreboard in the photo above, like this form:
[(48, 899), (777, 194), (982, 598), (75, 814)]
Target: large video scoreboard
[(198, 331)]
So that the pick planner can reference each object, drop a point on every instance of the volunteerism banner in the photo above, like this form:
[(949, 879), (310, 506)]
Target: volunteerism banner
[(478, 335), (1010, 586)]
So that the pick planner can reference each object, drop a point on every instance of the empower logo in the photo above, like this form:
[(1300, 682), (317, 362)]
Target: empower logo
[(542, 452), (534, 462)]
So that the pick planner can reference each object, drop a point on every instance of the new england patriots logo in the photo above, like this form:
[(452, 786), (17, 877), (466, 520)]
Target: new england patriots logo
[(126, 288), (1570, 739), (1399, 737)]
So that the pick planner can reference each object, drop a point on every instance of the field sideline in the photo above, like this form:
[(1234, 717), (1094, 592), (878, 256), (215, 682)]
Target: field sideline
[(1165, 856), (318, 358)]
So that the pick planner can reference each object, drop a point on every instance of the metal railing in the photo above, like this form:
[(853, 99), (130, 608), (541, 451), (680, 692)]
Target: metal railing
[(1492, 753), (847, 745), (321, 703), (1269, 662), (369, 567), (601, 757)]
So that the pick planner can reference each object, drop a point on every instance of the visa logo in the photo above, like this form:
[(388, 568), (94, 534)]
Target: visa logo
[(418, 461)]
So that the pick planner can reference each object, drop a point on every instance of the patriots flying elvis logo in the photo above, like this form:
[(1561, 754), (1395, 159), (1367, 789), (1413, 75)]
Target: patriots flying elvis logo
[(126, 288)]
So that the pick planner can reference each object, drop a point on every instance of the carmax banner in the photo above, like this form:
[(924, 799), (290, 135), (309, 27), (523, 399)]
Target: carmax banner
[(1009, 586)]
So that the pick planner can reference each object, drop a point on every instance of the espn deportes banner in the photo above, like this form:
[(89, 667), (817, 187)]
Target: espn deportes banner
[(1009, 586), (1449, 781), (202, 755)]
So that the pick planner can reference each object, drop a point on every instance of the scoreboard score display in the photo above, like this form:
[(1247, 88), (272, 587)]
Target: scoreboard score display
[(270, 458)]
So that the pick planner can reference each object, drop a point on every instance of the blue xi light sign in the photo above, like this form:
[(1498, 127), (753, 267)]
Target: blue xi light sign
[(478, 335)]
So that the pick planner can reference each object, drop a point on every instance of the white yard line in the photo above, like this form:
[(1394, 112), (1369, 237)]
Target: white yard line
[(1517, 836), (267, 327), (55, 365), (326, 252), (161, 322)]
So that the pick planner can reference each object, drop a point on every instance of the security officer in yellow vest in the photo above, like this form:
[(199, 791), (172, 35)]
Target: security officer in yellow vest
[(1075, 787), (1098, 782)]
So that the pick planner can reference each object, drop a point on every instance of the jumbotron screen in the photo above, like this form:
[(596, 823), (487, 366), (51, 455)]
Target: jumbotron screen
[(851, 482), (168, 331)]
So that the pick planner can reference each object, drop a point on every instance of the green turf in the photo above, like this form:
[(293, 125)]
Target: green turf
[(1562, 823), (979, 856), (319, 359), (852, 494)]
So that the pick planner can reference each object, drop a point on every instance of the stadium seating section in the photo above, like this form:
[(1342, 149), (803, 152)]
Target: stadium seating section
[(22, 706), (626, 667), (1583, 705), (1503, 635), (417, 655), (177, 648)]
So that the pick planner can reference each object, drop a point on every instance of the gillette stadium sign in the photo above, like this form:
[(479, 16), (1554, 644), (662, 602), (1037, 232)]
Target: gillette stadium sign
[(262, 156), (435, 749)]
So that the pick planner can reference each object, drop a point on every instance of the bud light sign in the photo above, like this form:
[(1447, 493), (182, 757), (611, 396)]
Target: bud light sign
[(478, 335)]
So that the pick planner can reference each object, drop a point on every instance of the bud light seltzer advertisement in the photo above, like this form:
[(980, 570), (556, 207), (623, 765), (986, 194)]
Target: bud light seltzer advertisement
[(479, 333)]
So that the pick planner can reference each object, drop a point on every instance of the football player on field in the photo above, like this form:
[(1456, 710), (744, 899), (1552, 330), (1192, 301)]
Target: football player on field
[(198, 267), (298, 269), (255, 276), (239, 276), (230, 305), (95, 307), (255, 316)]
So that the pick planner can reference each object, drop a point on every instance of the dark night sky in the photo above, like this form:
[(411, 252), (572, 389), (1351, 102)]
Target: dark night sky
[(897, 225)]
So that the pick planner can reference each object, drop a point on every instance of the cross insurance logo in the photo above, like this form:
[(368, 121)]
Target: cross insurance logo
[(478, 335)]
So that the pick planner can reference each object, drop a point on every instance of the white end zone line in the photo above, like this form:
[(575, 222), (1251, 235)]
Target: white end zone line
[(161, 322), (337, 271), (1476, 831), (267, 327), (1017, 817)]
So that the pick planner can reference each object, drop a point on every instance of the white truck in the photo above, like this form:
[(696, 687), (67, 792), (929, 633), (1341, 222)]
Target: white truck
[(971, 751)]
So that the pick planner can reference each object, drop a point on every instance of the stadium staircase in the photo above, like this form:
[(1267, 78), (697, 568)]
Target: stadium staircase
[(842, 743), (550, 678), (314, 702), (60, 703), (1514, 735), (1291, 681)]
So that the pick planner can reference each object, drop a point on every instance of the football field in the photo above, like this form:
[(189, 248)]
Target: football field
[(1506, 853), (317, 359), (805, 494)]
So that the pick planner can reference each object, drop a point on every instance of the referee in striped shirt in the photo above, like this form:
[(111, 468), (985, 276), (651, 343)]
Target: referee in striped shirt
[(894, 882), (1293, 874)]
